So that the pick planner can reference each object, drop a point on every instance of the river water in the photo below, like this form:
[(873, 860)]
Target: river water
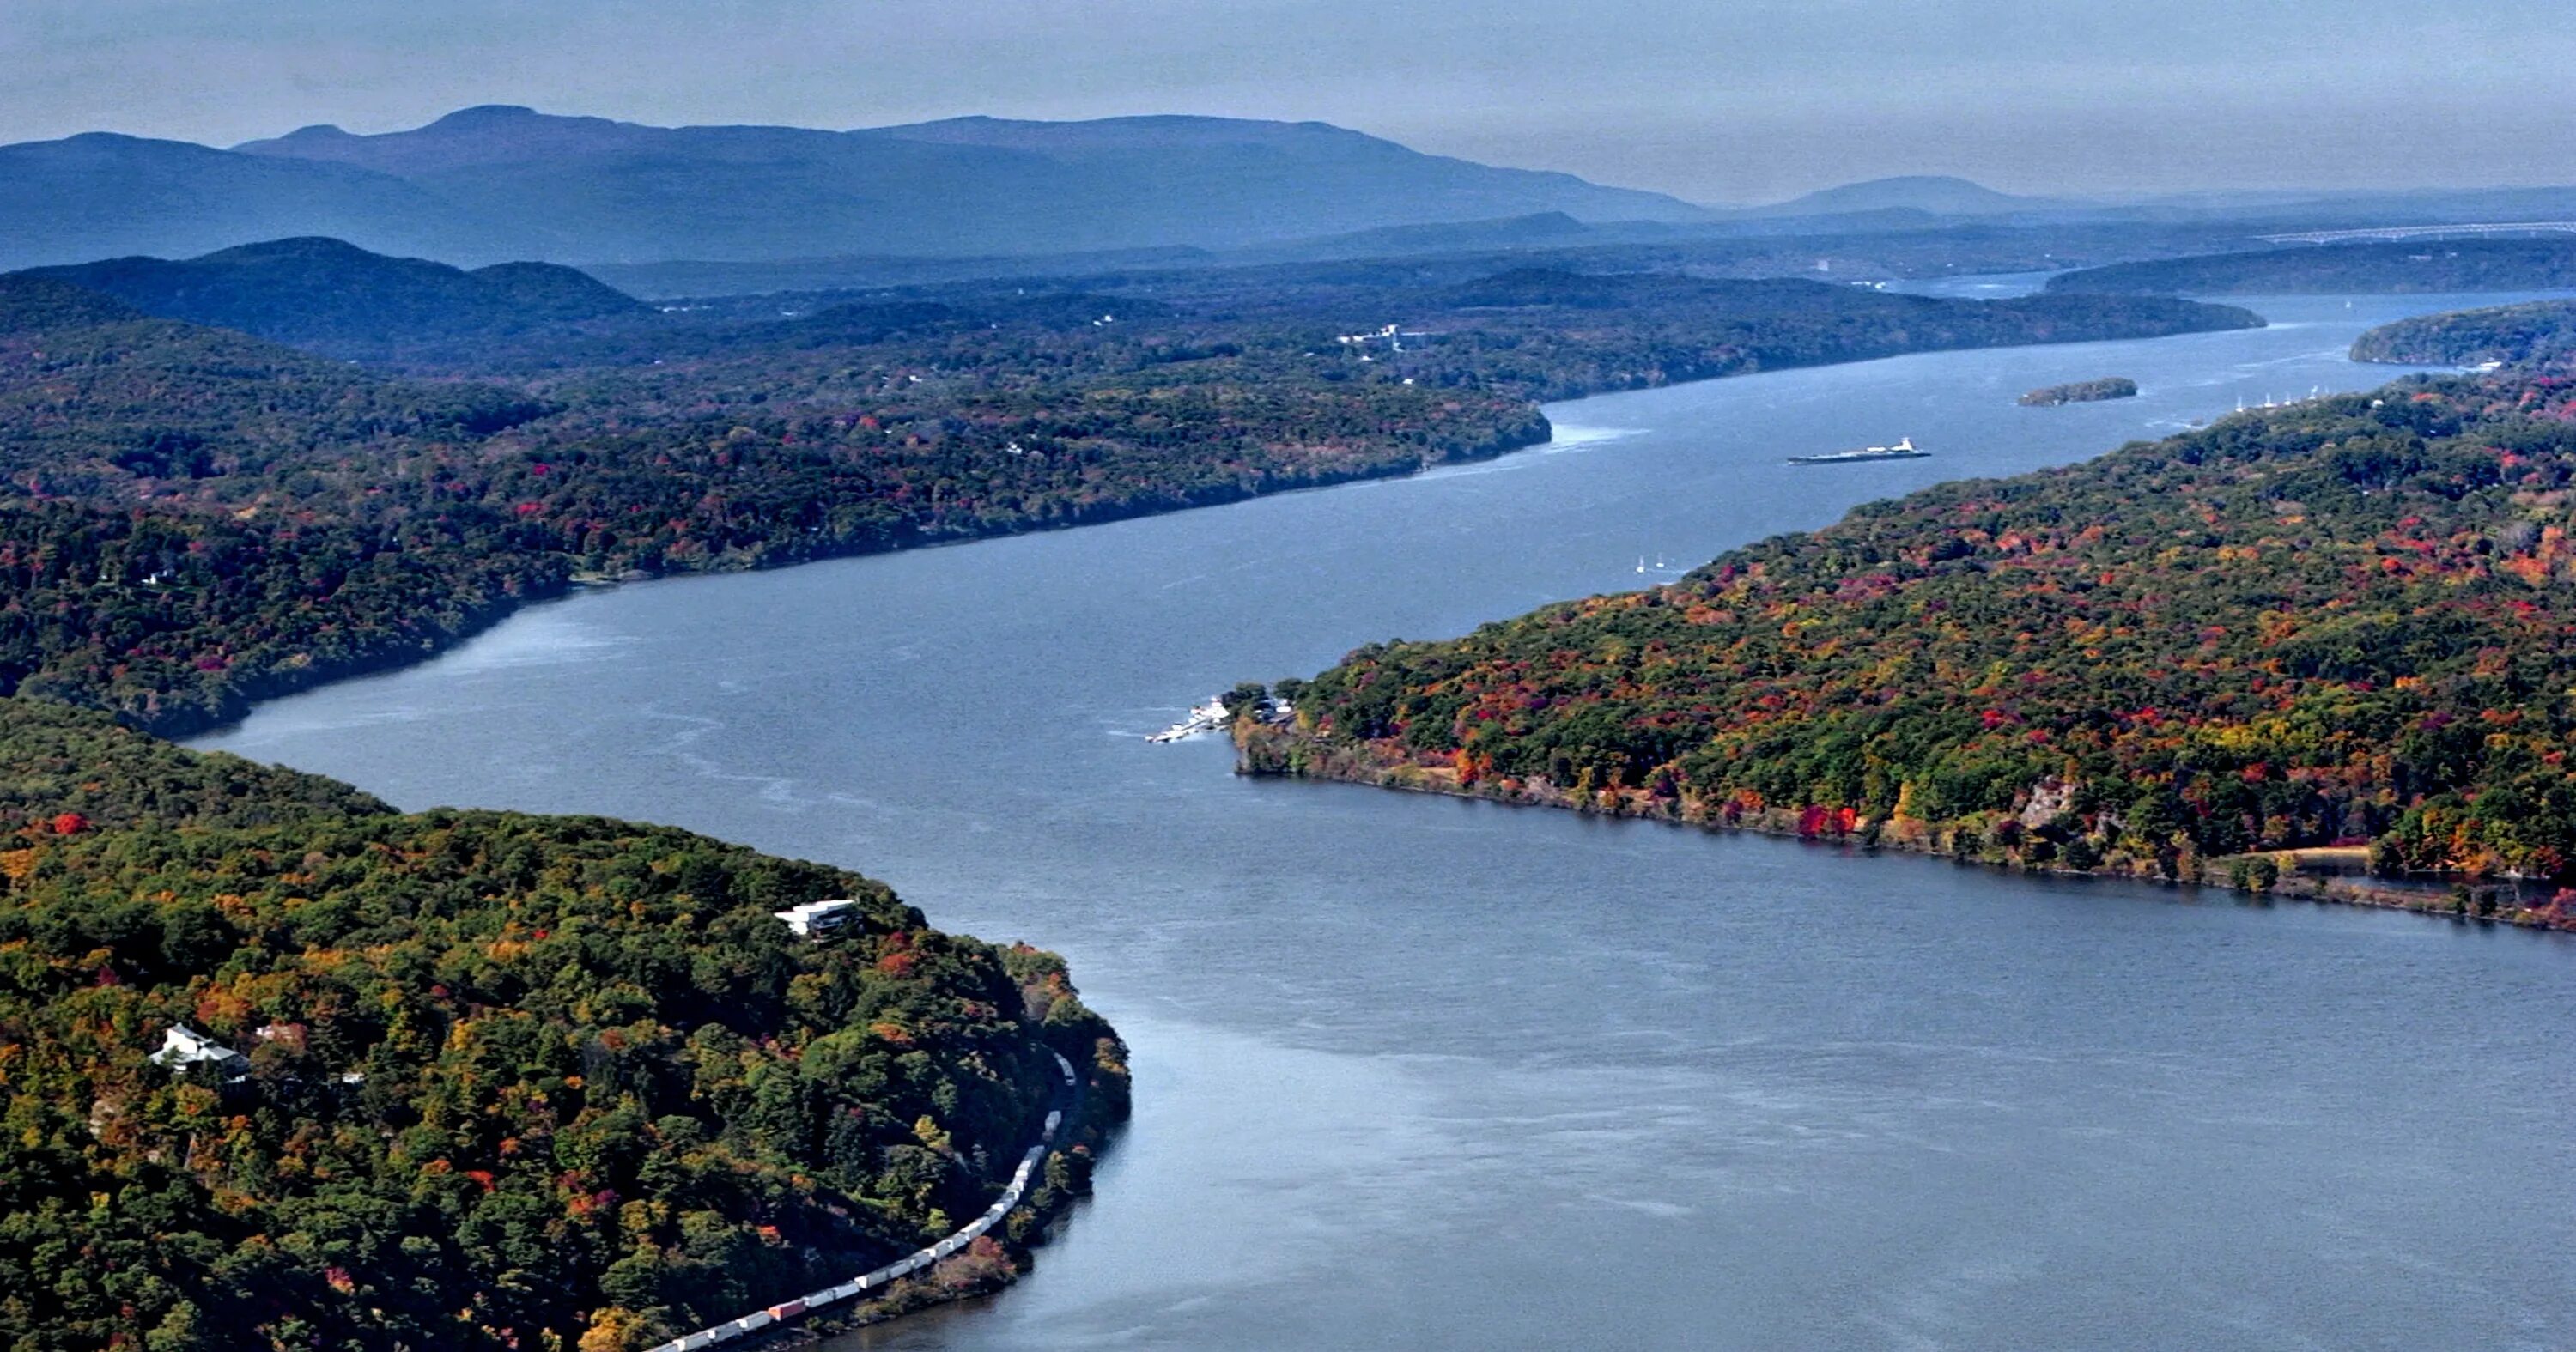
[(1413, 1071)]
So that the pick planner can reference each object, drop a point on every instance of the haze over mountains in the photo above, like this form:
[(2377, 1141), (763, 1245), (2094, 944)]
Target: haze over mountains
[(500, 183), (1931, 194)]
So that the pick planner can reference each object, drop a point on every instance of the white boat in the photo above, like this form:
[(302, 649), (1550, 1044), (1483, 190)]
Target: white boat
[(1208, 717), (1902, 450)]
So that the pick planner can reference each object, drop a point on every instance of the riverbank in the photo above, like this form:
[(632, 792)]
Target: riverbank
[(1289, 752), (480, 614), (972, 1260), (551, 576), (1791, 1061)]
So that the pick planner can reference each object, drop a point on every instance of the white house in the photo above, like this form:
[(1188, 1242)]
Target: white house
[(183, 1046), (820, 920)]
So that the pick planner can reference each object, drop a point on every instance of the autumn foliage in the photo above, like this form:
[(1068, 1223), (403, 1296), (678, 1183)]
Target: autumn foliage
[(509, 1081), (2349, 621)]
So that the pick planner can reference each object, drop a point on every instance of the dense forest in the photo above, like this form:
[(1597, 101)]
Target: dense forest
[(2541, 334), (192, 518), (484, 1080), (2373, 268), (2347, 621)]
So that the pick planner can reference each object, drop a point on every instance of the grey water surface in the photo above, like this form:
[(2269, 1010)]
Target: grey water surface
[(1417, 1072)]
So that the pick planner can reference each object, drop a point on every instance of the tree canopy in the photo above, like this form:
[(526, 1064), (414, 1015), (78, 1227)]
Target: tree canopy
[(508, 1080), (2346, 621)]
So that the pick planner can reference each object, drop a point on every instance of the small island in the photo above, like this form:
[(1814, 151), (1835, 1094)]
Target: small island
[(2082, 392)]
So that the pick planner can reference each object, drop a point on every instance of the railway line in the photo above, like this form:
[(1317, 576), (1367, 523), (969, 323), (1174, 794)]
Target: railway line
[(913, 1262)]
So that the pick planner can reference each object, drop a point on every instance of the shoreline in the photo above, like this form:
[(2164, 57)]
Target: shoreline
[(1055, 1175), (1536, 430), (1274, 752), (284, 681)]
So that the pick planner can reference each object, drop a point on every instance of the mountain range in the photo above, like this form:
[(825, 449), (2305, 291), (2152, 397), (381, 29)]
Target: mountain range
[(769, 207), (490, 184)]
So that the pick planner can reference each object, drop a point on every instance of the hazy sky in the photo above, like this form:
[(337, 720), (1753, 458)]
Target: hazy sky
[(1720, 100)]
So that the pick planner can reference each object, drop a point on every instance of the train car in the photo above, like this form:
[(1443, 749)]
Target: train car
[(723, 1333), (754, 1322), (787, 1309), (701, 1338), (1055, 1118)]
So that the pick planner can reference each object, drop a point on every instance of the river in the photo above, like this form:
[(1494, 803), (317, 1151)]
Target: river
[(1421, 1072)]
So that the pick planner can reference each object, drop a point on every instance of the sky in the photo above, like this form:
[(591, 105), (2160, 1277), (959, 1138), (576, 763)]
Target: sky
[(1719, 101)]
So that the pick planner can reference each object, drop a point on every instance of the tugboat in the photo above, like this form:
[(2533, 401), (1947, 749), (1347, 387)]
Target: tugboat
[(1902, 450)]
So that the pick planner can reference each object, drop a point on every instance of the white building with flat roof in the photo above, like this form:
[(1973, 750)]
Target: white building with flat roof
[(820, 920)]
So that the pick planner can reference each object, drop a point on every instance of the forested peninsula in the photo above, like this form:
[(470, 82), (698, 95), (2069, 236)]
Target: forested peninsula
[(2545, 263), (2341, 623), (474, 1079), (193, 518), (2541, 334)]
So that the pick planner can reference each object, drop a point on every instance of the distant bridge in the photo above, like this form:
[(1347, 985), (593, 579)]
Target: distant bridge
[(2393, 232)]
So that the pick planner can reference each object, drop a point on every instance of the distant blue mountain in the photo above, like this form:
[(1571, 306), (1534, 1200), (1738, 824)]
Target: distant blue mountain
[(332, 296), (97, 195), (491, 183), (1931, 194)]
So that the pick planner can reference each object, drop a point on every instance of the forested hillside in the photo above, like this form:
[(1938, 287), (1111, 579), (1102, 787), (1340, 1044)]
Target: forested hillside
[(329, 296), (2377, 268), (504, 1081), (66, 770), (2345, 621), (2541, 334), (192, 519)]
